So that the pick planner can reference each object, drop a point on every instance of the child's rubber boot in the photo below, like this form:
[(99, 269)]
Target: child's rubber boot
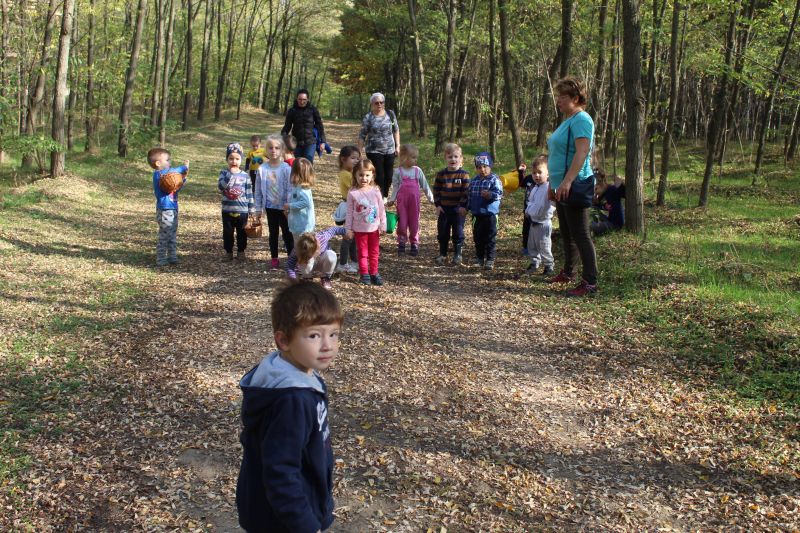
[(457, 259), (414, 250)]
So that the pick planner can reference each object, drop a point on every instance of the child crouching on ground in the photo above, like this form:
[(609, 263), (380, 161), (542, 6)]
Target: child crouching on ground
[(312, 256), (286, 477), (485, 193), (539, 213)]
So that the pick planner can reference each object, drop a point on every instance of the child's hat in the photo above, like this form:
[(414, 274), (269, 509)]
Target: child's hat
[(483, 159), (234, 148)]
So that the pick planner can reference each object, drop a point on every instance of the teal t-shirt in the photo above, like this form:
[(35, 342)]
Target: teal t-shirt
[(579, 125)]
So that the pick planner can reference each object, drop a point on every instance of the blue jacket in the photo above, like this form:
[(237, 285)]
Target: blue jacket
[(164, 200), (478, 205), (301, 210), (286, 480)]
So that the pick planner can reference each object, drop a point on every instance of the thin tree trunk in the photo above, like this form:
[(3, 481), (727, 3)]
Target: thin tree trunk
[(460, 81), (651, 108), (673, 94), (776, 80), (611, 100), (508, 78), (36, 99), (635, 110), (420, 71), (597, 87), (223, 73), (567, 13), (248, 55), (130, 78), (208, 34), (187, 83), (57, 157), (546, 98), (162, 120), (719, 108), (263, 82), (290, 86), (4, 38), (91, 115), (492, 126), (447, 80), (284, 59), (158, 65), (72, 80), (794, 135)]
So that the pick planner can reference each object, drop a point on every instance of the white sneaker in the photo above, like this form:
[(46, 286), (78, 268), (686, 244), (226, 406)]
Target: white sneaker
[(351, 268), (340, 268)]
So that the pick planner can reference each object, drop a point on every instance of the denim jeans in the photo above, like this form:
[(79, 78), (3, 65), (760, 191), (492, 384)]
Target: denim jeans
[(306, 151)]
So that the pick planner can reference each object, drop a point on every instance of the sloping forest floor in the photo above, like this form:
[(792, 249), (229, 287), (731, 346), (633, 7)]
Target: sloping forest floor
[(462, 400)]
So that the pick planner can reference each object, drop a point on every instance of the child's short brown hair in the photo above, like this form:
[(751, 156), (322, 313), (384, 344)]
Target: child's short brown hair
[(450, 148), (305, 247), (303, 173), (255, 138), (155, 153), (363, 166), (539, 161), (299, 304)]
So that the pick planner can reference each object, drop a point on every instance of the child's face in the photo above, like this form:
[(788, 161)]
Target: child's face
[(365, 178), (539, 174), (410, 160), (273, 150), (255, 143), (234, 160), (311, 348), (454, 160), (484, 170), (161, 162), (351, 161)]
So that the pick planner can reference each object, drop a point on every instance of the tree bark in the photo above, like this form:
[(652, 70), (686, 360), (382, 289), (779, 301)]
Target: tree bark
[(611, 100), (567, 13), (162, 119), (673, 97), (794, 134), (419, 109), (635, 109), (223, 73), (187, 82), (72, 82), (508, 78), (651, 109), (597, 87), (60, 97), (36, 99), (205, 56), (248, 55), (158, 62), (284, 59), (546, 98), (712, 134), (130, 78), (769, 104), (492, 127), (91, 116), (447, 80)]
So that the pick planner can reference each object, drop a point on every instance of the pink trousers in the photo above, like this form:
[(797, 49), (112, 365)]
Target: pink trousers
[(408, 212), (369, 250)]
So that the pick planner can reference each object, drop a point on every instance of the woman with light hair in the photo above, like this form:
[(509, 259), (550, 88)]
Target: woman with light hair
[(380, 135)]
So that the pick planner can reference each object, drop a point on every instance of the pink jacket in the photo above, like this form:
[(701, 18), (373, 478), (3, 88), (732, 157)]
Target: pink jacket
[(365, 211)]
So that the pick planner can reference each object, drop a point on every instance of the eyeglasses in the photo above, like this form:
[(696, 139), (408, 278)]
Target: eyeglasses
[(378, 102)]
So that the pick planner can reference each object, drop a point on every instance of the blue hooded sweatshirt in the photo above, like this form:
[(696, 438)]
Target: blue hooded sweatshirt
[(286, 479)]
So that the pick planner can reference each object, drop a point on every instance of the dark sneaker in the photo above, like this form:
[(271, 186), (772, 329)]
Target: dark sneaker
[(582, 289), (489, 265), (229, 257), (365, 279), (241, 256), (401, 249), (533, 267), (478, 262), (524, 251), (414, 250), (548, 271), (377, 280), (562, 277), (326, 283), (457, 260), (441, 259)]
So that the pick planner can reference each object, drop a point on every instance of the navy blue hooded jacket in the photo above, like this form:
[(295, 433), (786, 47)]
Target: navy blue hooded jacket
[(286, 479)]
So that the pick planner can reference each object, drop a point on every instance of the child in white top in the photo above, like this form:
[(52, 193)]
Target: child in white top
[(540, 212), (273, 185), (407, 181)]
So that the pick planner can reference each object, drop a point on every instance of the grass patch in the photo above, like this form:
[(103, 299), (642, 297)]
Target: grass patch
[(26, 198)]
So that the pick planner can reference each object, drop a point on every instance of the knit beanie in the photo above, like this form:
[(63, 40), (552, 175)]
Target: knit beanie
[(234, 148), (483, 159)]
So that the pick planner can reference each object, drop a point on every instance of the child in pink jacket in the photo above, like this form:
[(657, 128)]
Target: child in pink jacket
[(407, 182), (366, 221)]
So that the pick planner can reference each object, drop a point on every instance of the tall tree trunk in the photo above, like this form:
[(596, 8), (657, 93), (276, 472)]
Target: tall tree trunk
[(419, 69), (208, 34), (447, 80), (248, 57), (130, 78), (508, 78), (187, 83), (162, 120), (284, 59), (794, 135), (223, 74), (290, 86), (597, 87), (651, 109), (460, 79), (263, 84), (36, 99), (635, 110), (91, 115), (158, 62), (492, 83), (776, 80), (712, 135), (610, 124), (60, 97), (72, 81), (546, 98), (4, 38), (673, 94), (567, 13)]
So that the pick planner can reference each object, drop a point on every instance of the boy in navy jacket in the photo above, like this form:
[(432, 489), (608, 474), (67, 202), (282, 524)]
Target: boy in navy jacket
[(286, 478), (485, 193)]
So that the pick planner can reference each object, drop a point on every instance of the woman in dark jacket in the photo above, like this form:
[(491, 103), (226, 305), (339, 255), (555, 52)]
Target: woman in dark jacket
[(301, 120)]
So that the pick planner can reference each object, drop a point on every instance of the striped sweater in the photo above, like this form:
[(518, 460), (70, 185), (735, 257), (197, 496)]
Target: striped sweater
[(451, 188), (231, 182)]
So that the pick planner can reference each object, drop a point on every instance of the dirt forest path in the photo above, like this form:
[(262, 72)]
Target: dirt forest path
[(447, 412)]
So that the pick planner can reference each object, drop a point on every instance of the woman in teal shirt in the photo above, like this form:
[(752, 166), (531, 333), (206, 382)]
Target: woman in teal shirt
[(569, 164)]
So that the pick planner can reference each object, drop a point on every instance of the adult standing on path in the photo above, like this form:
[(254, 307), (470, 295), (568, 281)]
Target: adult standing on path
[(381, 133), (301, 119), (570, 166)]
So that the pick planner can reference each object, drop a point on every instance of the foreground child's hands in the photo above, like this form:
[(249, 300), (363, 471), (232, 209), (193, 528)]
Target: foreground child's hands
[(186, 164), (462, 211), (486, 194), (390, 203), (523, 167), (349, 235), (439, 210)]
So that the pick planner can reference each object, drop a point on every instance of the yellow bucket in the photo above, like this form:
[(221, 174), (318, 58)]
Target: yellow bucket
[(510, 181)]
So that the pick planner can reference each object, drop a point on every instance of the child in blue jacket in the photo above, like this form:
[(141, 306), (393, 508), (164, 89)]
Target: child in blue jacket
[(286, 478), (166, 206), (485, 193)]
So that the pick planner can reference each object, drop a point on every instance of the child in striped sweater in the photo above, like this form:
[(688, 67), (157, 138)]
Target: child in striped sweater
[(237, 201)]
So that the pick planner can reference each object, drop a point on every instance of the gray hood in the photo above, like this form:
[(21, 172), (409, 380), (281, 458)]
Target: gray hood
[(274, 372)]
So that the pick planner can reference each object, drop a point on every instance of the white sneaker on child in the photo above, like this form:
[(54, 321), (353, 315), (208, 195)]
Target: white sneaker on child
[(351, 268), (340, 268)]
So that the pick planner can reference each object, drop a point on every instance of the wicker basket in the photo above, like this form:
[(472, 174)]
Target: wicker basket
[(170, 182), (253, 228)]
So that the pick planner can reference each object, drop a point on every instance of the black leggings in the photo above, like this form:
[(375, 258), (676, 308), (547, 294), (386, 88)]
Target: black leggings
[(384, 167), (234, 222), (276, 220), (573, 223)]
